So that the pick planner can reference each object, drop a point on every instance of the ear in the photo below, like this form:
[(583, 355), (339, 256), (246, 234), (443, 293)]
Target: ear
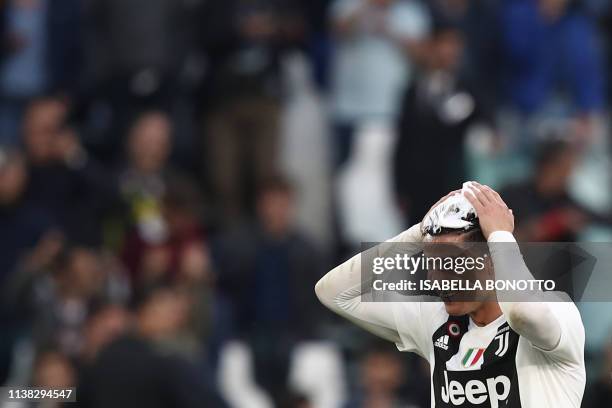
[(489, 266)]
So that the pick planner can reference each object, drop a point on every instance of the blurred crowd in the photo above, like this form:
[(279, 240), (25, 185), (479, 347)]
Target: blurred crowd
[(175, 175)]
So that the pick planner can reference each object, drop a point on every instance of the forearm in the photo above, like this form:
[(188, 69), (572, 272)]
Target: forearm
[(530, 318)]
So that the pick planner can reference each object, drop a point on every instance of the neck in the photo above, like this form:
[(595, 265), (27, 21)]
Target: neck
[(485, 314)]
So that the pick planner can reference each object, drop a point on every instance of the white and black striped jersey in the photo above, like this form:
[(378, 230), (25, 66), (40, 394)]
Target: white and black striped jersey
[(493, 366)]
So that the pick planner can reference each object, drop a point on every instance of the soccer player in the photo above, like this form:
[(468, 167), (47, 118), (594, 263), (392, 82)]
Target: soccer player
[(482, 352)]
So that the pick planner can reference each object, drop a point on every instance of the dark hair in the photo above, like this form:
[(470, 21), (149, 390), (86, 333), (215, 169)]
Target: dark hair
[(444, 23), (472, 235), (377, 346), (274, 184), (549, 151)]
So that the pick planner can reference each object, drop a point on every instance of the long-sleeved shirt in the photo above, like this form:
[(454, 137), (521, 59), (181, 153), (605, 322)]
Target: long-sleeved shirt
[(532, 355)]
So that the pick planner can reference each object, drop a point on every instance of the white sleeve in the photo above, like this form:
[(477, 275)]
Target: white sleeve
[(570, 346), (340, 290), (536, 321)]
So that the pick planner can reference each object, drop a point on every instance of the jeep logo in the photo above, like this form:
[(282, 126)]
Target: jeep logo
[(475, 391)]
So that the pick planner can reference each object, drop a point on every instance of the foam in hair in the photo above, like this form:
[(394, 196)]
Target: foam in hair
[(453, 214)]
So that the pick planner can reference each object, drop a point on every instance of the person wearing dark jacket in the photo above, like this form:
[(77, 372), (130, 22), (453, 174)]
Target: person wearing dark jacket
[(545, 209), (436, 114), (266, 270), (40, 52), (245, 42), (138, 369), (73, 187)]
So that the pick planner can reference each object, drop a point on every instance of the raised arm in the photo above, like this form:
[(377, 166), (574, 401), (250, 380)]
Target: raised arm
[(340, 291), (533, 320)]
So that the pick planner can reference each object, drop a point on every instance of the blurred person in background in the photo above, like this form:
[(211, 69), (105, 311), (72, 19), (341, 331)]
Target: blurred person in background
[(319, 45), (553, 62), (382, 376), (40, 52), (53, 294), (136, 52), (265, 270), (376, 43), (209, 324), (52, 369), (478, 21), (136, 369), (545, 210), (106, 322), (245, 41), (74, 188), (437, 112), (142, 180), (26, 232), (22, 222), (158, 254), (599, 393)]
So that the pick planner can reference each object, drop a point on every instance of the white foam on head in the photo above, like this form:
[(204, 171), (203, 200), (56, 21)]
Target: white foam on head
[(455, 213)]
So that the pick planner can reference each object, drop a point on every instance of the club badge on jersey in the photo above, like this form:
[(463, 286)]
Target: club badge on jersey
[(486, 377)]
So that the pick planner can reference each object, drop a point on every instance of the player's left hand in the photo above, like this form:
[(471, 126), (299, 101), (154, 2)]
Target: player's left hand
[(493, 213)]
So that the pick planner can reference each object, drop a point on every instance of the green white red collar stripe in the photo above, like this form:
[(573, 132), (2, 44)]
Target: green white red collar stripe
[(472, 356)]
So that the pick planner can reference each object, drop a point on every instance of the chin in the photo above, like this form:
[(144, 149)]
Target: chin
[(455, 308)]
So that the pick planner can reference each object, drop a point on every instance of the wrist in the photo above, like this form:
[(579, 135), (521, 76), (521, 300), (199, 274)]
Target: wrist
[(501, 236)]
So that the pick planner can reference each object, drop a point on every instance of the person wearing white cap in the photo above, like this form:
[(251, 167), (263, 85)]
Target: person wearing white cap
[(485, 351)]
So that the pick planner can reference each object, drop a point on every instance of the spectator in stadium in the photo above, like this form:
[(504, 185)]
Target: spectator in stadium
[(136, 369), (265, 270), (478, 20), (158, 254), (26, 254), (52, 369), (382, 376), (137, 50), (142, 179), (545, 211), (73, 187), (39, 53), (137, 44), (551, 53), (105, 323), (22, 223), (600, 392), (56, 296), (245, 41), (376, 43), (196, 279), (436, 114)]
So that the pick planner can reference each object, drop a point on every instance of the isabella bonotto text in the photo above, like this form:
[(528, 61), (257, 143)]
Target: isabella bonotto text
[(464, 285)]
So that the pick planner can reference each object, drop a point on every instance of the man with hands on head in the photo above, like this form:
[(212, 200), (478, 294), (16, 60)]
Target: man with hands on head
[(483, 352)]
